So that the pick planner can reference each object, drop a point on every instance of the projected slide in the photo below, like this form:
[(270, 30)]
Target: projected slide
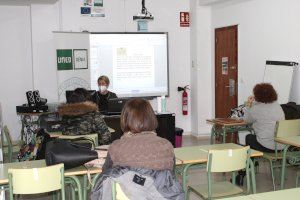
[(137, 64)]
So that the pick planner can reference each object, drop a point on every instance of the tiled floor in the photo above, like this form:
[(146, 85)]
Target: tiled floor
[(263, 178)]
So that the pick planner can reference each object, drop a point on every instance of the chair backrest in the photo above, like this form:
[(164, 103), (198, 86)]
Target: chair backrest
[(227, 160), (7, 135), (36, 180), (286, 128), (117, 192)]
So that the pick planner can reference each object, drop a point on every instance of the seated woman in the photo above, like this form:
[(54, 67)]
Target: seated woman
[(263, 113), (81, 116), (102, 96), (139, 158)]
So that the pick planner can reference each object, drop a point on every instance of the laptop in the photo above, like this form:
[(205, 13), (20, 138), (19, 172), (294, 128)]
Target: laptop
[(115, 106)]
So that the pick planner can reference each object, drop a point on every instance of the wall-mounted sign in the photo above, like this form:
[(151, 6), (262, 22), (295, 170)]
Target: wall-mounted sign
[(142, 25), (64, 59), (92, 8), (80, 58), (225, 65), (184, 19)]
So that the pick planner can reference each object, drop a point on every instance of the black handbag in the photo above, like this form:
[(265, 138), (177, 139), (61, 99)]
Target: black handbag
[(70, 153)]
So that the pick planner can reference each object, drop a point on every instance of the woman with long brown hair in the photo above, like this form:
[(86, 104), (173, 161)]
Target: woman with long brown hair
[(140, 162)]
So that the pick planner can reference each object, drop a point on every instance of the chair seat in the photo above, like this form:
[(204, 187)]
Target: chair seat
[(219, 189), (14, 143), (272, 156)]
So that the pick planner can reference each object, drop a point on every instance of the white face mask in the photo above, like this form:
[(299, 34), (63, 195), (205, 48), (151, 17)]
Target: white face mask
[(102, 88)]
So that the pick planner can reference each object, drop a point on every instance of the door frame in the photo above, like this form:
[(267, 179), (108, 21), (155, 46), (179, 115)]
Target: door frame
[(214, 63)]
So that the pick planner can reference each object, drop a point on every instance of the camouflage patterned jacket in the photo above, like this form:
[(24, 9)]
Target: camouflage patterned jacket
[(84, 118)]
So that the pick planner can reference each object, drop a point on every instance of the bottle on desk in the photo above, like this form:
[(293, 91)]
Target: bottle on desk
[(161, 104)]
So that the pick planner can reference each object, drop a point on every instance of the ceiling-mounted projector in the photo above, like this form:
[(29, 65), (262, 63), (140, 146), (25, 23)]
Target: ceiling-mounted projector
[(145, 14)]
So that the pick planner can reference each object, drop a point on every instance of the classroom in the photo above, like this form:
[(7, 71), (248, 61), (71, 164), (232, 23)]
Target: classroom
[(149, 99)]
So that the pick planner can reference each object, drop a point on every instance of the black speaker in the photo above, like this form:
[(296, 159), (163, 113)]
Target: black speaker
[(37, 97), (30, 99)]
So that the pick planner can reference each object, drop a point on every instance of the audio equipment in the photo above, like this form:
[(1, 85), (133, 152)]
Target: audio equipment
[(30, 99), (29, 109)]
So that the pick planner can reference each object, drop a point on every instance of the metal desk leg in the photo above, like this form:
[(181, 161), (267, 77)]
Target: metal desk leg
[(224, 135), (84, 189), (253, 177), (283, 166), (185, 176), (213, 134), (78, 186)]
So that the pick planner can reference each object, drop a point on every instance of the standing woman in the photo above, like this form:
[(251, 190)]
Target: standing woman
[(102, 96)]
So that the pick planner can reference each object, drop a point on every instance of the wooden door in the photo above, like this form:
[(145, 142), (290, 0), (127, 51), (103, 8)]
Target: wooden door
[(226, 70)]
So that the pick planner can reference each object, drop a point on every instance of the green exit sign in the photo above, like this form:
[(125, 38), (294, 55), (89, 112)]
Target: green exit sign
[(64, 59)]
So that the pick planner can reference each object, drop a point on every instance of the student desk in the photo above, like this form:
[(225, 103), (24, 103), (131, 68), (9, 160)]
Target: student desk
[(227, 125), (197, 155), (238, 198), (290, 194), (71, 173), (288, 141)]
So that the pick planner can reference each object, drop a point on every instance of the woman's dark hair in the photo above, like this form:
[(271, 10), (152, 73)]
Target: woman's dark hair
[(80, 95), (138, 116), (264, 93)]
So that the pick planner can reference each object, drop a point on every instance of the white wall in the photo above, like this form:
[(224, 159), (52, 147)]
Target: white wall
[(63, 15), (15, 62), (201, 72), (268, 30)]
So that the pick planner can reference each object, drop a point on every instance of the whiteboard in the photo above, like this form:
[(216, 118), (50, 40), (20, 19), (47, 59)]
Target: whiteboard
[(280, 75)]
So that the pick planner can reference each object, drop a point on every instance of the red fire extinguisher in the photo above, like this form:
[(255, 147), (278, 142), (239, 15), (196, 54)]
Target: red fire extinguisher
[(184, 99)]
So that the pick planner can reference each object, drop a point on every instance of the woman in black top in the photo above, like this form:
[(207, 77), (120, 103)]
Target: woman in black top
[(102, 96)]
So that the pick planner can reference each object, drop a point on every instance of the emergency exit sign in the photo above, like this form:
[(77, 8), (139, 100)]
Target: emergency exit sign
[(64, 59)]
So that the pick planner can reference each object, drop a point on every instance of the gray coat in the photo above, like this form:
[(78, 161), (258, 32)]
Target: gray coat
[(263, 117), (158, 185)]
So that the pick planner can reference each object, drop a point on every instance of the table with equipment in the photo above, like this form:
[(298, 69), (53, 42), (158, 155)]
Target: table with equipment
[(33, 121)]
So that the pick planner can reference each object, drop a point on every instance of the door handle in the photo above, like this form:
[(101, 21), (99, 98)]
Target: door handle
[(231, 87)]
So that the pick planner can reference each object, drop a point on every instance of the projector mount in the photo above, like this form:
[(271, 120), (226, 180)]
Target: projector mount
[(145, 14)]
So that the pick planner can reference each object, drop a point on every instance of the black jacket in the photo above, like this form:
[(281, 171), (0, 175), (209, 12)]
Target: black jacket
[(102, 100)]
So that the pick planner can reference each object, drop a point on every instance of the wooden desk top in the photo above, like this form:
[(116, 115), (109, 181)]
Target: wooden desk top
[(198, 154), (227, 122), (238, 198), (41, 163), (293, 140), (290, 194), (36, 113)]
